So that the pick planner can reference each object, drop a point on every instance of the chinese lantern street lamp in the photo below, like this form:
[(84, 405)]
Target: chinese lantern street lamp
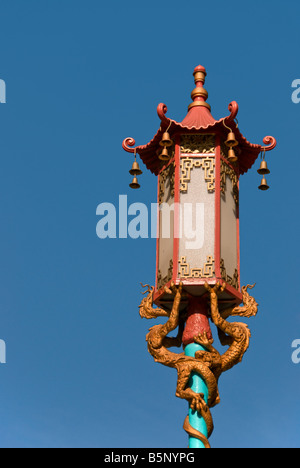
[(199, 162)]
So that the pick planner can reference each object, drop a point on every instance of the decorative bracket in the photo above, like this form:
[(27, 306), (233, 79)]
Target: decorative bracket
[(271, 142), (127, 143)]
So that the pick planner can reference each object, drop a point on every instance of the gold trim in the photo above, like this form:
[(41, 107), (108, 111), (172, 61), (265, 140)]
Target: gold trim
[(227, 171), (200, 76), (198, 144), (185, 271), (199, 92), (232, 281), (199, 104), (162, 281), (167, 174)]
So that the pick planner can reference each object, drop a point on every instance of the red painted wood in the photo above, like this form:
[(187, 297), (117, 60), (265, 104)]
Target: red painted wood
[(157, 234), (238, 240), (218, 208)]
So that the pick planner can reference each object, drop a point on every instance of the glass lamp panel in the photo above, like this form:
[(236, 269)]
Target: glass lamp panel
[(166, 225), (197, 209), (229, 227)]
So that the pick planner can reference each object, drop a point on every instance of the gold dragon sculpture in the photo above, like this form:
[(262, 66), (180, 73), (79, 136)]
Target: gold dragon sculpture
[(209, 364)]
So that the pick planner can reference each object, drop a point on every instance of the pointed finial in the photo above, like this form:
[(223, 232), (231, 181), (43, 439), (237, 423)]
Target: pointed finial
[(199, 94)]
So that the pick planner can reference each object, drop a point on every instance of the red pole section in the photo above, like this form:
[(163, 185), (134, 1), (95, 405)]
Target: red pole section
[(197, 321)]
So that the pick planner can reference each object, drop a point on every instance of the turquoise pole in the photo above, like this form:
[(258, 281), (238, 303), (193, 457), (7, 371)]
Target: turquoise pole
[(198, 385)]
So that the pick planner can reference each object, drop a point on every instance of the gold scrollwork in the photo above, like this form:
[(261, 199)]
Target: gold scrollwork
[(162, 281), (203, 144), (228, 171), (185, 271), (207, 164), (167, 175), (232, 281)]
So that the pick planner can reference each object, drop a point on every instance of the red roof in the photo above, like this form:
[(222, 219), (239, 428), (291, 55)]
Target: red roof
[(199, 119)]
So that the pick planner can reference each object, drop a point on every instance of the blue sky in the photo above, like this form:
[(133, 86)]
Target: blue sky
[(81, 76)]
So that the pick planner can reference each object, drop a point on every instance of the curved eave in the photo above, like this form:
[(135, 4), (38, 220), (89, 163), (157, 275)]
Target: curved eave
[(202, 122), (248, 152)]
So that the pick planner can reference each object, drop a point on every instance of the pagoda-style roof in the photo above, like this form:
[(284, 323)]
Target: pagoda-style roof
[(199, 119)]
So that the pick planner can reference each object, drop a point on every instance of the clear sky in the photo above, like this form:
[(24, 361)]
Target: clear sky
[(81, 76)]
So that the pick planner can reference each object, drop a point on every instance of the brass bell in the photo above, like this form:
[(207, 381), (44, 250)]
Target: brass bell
[(263, 184), (166, 140), (231, 141), (232, 157), (134, 184), (135, 170), (263, 170), (164, 155)]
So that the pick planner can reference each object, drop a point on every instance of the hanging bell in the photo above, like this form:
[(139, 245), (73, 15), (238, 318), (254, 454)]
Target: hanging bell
[(166, 140), (135, 170), (231, 141), (232, 157), (263, 170), (134, 184), (263, 184), (164, 155)]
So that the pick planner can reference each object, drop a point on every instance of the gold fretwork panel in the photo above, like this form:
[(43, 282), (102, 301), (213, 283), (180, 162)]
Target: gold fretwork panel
[(167, 174), (162, 281), (198, 144), (185, 271), (187, 164), (229, 280), (227, 171)]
